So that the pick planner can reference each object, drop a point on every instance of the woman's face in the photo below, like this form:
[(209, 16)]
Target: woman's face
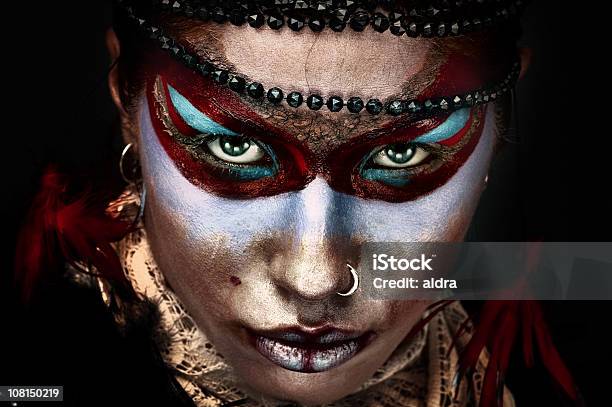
[(253, 211)]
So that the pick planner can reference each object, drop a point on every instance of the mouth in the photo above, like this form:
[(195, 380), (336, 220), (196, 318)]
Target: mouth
[(299, 351)]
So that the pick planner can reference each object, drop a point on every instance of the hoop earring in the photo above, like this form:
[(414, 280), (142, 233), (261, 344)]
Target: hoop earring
[(355, 285), (135, 183), (135, 178)]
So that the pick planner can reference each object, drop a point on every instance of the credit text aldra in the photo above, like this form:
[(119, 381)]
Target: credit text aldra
[(384, 262)]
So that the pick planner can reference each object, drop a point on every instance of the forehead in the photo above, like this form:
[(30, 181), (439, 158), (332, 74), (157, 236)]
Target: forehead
[(345, 64), (365, 64)]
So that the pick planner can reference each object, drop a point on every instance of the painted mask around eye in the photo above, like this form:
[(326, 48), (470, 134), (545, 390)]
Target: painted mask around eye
[(249, 158)]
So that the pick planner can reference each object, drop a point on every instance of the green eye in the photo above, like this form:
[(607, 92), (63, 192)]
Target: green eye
[(234, 146), (400, 155), (235, 149)]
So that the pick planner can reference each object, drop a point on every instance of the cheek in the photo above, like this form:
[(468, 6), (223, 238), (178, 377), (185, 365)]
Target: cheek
[(199, 215), (197, 237)]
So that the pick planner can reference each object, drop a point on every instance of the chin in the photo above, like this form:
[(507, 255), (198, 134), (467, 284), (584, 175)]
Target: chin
[(280, 384)]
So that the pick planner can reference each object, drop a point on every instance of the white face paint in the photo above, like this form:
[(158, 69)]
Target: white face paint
[(290, 253)]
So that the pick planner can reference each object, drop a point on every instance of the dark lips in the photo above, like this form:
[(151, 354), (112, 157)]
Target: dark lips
[(296, 350)]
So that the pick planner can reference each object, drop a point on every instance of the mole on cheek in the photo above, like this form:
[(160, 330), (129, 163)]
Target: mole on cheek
[(235, 280)]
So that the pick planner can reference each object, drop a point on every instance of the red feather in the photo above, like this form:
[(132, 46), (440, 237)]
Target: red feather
[(499, 326), (63, 227)]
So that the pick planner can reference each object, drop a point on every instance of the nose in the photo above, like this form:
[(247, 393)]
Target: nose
[(315, 266)]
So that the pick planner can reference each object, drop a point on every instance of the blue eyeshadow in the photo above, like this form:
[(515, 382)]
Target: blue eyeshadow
[(195, 118), (451, 126)]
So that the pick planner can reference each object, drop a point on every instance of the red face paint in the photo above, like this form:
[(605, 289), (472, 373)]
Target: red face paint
[(297, 165)]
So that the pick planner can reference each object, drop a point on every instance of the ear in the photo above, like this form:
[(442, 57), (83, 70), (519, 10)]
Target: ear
[(117, 88), (525, 55)]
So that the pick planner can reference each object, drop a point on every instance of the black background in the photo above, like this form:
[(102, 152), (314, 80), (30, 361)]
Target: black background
[(62, 113)]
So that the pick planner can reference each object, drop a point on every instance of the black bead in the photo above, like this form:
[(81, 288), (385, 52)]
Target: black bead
[(360, 20), (335, 103), (417, 14), (395, 107), (236, 84), (164, 4), (337, 25), (314, 102), (218, 15), (142, 24), (275, 22), (236, 17), (429, 105), (354, 105), (414, 107), (395, 16), (188, 11), (397, 28), (177, 51), (469, 100), (476, 24), (255, 20), (153, 32), (457, 102), (295, 99), (275, 95), (189, 60), (413, 29), (441, 30), (295, 24), (380, 22), (316, 24), (341, 14), (443, 104), (176, 7), (300, 5), (165, 42), (454, 29), (477, 97), (202, 13), (319, 6), (374, 106), (205, 68), (255, 90), (432, 11), (220, 76), (428, 30)]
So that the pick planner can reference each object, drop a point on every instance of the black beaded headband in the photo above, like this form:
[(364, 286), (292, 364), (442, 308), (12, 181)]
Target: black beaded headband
[(275, 95), (414, 18)]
